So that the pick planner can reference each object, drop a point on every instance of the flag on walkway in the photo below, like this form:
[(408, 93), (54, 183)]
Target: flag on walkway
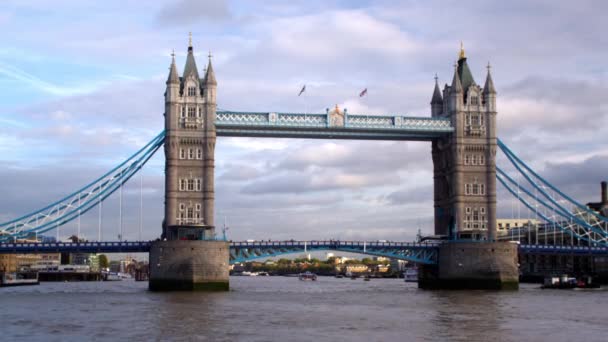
[(303, 90), (363, 93)]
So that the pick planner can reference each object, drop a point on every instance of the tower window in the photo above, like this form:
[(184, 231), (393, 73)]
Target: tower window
[(191, 112), (199, 112), (183, 112), (190, 184), (474, 159), (190, 153), (198, 184), (182, 206), (190, 213), (199, 153), (467, 189), (182, 184), (474, 100), (467, 159), (182, 153), (191, 91), (198, 207), (482, 160)]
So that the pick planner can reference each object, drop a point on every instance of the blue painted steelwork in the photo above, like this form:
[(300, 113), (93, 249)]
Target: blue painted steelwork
[(579, 221), (70, 207), (318, 126), (82, 247), (568, 250), (424, 253)]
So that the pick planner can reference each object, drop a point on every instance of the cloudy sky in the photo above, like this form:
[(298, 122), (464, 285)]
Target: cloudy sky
[(82, 87)]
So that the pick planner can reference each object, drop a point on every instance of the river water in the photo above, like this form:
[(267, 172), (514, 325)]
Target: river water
[(286, 309)]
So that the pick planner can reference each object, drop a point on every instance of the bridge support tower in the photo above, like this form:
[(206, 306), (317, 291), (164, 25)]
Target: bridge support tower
[(189, 257), (464, 166)]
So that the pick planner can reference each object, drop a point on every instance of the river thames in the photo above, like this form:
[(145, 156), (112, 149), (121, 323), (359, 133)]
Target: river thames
[(286, 309)]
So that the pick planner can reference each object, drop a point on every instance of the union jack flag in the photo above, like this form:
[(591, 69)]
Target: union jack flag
[(363, 92)]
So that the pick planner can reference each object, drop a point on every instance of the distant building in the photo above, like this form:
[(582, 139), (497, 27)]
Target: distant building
[(504, 225), (602, 206), (398, 265), (355, 268), (381, 259), (16, 262)]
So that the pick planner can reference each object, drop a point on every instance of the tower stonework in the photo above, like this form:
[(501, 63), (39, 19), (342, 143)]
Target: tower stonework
[(189, 257), (464, 172), (464, 162)]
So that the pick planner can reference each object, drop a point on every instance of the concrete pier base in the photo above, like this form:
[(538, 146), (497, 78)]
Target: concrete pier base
[(189, 266), (472, 265)]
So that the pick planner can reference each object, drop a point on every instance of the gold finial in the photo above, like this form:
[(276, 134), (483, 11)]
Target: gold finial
[(210, 55), (489, 67), (189, 39), (173, 54), (461, 56), (436, 78), (337, 109)]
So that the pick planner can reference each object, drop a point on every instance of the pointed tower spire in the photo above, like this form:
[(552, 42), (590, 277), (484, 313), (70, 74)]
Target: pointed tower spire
[(456, 85), (210, 75), (173, 75), (488, 88), (190, 68), (437, 98)]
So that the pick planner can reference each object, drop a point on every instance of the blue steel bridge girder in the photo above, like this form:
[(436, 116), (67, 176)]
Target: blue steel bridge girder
[(423, 253), (318, 126)]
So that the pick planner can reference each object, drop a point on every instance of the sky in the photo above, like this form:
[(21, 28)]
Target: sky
[(82, 89)]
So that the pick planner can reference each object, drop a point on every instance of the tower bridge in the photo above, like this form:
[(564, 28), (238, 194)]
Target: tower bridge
[(463, 135)]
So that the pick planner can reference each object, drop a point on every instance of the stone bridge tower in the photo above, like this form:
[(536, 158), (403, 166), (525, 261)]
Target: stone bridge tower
[(189, 257), (464, 162), (464, 167), (190, 105)]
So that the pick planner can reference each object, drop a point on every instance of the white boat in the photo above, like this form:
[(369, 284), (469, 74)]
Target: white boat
[(411, 275), (111, 276), (18, 278), (307, 276)]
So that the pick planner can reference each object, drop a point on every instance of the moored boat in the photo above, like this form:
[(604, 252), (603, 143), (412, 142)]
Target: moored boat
[(410, 275), (307, 276), (18, 278)]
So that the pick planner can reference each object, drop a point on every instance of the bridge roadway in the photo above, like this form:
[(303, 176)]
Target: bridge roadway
[(242, 251)]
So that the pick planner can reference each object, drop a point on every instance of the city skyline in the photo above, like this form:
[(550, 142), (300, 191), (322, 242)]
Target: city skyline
[(80, 102)]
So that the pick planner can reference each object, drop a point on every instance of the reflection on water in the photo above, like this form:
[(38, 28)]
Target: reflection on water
[(286, 309)]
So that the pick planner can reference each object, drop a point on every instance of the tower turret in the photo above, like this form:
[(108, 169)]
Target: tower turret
[(436, 101), (489, 92), (456, 92), (172, 92)]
